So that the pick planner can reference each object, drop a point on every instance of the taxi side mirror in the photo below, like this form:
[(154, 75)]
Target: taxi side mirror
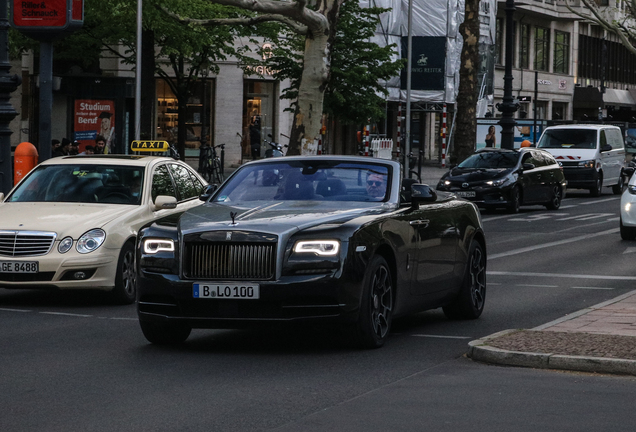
[(208, 192), (164, 202), (422, 193)]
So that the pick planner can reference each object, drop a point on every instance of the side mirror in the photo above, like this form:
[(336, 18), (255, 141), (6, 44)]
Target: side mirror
[(208, 192), (527, 166), (164, 202), (1, 196), (628, 171), (422, 193), (606, 148)]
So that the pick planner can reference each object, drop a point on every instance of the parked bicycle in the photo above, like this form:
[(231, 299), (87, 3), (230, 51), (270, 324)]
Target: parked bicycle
[(210, 163)]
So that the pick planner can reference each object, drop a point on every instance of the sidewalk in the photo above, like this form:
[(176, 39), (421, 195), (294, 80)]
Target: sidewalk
[(599, 339)]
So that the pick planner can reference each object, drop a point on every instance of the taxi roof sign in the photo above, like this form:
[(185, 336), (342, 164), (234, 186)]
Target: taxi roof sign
[(150, 146)]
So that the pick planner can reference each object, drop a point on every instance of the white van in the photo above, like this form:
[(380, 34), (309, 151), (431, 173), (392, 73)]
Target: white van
[(592, 156)]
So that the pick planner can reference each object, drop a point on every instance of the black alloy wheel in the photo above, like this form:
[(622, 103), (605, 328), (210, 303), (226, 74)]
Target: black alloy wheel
[(555, 200), (597, 190), (125, 291), (376, 309), (627, 233), (514, 201), (619, 187), (469, 303), (165, 333)]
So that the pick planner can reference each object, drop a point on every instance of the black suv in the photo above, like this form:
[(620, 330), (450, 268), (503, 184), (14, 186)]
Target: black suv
[(493, 177)]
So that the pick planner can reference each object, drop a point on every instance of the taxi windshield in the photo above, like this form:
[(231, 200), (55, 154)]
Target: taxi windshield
[(82, 183)]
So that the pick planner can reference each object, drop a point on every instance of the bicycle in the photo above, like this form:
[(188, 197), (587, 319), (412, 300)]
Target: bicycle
[(210, 163)]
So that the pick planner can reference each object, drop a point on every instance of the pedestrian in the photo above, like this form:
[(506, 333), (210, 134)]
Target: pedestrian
[(88, 150), (74, 148), (100, 144), (63, 149), (55, 144)]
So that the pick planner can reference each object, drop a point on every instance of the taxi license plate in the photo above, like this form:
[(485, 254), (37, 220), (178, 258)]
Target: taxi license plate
[(226, 291), (19, 266), (466, 194)]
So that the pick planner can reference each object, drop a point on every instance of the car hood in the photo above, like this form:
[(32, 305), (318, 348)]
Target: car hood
[(63, 218), (476, 174), (275, 216), (564, 154)]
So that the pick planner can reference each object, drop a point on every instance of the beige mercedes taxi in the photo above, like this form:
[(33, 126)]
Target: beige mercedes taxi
[(71, 223)]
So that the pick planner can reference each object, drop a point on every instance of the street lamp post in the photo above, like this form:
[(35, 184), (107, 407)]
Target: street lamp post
[(8, 84), (508, 107)]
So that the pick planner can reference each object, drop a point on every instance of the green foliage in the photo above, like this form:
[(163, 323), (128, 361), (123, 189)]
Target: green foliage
[(354, 91)]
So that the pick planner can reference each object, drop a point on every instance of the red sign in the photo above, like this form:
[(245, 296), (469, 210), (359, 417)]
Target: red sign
[(78, 12), (94, 117), (41, 13)]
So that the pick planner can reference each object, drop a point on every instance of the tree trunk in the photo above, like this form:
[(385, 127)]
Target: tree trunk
[(466, 106)]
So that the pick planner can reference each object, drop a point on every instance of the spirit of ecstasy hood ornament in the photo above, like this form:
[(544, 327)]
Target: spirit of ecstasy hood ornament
[(233, 216)]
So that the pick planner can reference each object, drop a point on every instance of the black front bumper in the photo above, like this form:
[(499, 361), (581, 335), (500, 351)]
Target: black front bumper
[(484, 196), (322, 298), (580, 178)]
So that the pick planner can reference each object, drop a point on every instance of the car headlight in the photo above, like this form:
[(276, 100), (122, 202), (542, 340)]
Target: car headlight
[(586, 164), (632, 189), (496, 183), (90, 240), (318, 247), (153, 246), (65, 245)]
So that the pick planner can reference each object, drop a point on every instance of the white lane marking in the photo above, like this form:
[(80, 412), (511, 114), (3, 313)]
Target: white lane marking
[(550, 244), (600, 201), (537, 286), (560, 275), (496, 218), (593, 288), (14, 310), (630, 250), (493, 283), (124, 319), (586, 216), (569, 206), (66, 314), (442, 336)]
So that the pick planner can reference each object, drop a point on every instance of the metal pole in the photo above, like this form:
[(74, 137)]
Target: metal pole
[(8, 84), (138, 73), (534, 108), (508, 107), (46, 100), (409, 50)]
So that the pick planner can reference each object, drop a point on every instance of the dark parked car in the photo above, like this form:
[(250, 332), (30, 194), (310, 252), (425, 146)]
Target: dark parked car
[(507, 178), (312, 239)]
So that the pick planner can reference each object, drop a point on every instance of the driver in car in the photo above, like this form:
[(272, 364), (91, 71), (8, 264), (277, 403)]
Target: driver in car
[(376, 185)]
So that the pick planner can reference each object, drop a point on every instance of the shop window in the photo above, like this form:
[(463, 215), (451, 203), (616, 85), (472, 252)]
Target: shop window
[(559, 110), (258, 117)]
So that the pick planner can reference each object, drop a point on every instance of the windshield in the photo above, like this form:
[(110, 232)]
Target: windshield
[(308, 180), (82, 183), (568, 138), (491, 160)]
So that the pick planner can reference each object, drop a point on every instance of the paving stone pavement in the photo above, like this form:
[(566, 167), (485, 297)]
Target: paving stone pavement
[(601, 339)]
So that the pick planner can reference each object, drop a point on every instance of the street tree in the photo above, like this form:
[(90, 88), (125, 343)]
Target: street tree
[(466, 105)]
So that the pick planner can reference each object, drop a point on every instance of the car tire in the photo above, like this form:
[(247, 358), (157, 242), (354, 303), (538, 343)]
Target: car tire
[(471, 299), (376, 307), (598, 187), (514, 201), (627, 233), (620, 186), (555, 200), (125, 291), (165, 334)]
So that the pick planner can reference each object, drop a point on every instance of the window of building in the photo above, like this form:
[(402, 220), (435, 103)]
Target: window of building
[(561, 52), (542, 109), (559, 110), (258, 117), (499, 54), (524, 46), (541, 48)]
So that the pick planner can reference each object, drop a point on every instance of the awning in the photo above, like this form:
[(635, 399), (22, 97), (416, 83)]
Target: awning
[(618, 98), (587, 98)]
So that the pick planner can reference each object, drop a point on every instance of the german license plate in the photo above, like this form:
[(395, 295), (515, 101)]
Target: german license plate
[(465, 194), (19, 266), (226, 291)]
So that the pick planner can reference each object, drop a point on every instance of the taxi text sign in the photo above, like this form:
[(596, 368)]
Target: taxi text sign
[(150, 146)]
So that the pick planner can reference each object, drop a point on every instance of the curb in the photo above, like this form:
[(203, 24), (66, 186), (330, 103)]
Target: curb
[(479, 351)]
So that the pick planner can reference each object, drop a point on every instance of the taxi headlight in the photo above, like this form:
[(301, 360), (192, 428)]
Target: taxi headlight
[(152, 246), (318, 247), (586, 164), (65, 245), (90, 240)]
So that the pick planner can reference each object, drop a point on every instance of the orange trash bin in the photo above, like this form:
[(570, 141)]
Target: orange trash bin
[(24, 160)]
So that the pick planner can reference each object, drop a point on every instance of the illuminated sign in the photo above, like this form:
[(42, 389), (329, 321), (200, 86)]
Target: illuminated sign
[(150, 146)]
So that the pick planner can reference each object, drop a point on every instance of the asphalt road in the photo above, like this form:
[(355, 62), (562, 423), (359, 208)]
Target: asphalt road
[(72, 362)]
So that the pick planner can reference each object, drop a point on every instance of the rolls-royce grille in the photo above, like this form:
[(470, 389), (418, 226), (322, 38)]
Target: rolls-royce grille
[(25, 243), (230, 261)]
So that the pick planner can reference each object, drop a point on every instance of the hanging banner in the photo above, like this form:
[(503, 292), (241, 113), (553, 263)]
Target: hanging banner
[(428, 63), (94, 117)]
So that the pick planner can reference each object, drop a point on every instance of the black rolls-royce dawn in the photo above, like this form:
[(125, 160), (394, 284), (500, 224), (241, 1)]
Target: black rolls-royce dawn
[(321, 239)]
